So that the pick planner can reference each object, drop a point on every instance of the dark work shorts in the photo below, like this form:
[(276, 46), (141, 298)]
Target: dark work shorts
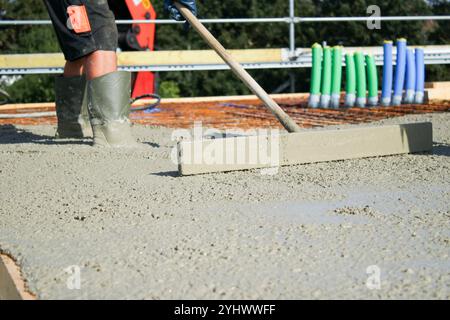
[(103, 34)]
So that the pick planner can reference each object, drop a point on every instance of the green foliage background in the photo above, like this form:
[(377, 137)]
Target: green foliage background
[(28, 39)]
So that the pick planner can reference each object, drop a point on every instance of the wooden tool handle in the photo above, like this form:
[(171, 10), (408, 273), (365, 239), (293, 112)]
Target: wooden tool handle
[(238, 70)]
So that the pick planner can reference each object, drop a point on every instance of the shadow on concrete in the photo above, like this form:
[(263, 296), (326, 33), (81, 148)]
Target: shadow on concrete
[(152, 144), (441, 149), (9, 134), (172, 174)]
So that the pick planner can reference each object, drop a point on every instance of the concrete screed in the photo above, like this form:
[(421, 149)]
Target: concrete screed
[(368, 228)]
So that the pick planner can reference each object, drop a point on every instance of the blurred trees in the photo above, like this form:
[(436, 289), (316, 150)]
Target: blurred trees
[(27, 39), (238, 36)]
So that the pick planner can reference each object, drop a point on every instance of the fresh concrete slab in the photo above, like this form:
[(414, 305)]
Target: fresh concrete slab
[(273, 149), (136, 230)]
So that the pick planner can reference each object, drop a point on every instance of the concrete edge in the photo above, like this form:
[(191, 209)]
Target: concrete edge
[(436, 92), (12, 284)]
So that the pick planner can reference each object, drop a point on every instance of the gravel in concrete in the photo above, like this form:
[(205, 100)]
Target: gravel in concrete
[(138, 231)]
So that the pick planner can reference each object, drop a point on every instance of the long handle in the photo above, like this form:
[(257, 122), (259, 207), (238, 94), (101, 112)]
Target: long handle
[(238, 70)]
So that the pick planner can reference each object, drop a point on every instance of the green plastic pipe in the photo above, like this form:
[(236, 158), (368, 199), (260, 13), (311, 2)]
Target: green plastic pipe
[(361, 87), (372, 80), (350, 88), (316, 75), (336, 77), (326, 78)]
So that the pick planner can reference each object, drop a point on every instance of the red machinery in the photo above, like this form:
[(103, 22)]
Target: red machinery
[(137, 37)]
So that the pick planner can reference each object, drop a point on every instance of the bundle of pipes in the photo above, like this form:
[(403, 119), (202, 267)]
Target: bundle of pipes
[(362, 77), (408, 82), (326, 76)]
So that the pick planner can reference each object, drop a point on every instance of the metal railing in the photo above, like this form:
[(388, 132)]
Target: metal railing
[(292, 20)]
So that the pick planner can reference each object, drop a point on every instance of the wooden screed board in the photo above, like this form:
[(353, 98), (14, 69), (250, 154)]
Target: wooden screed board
[(310, 146)]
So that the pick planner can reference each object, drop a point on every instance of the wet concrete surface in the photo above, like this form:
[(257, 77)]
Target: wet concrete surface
[(136, 230)]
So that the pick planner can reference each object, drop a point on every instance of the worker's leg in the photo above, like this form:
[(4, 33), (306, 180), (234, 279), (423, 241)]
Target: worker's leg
[(99, 63), (108, 91), (109, 94), (95, 65), (70, 89), (74, 68), (71, 102)]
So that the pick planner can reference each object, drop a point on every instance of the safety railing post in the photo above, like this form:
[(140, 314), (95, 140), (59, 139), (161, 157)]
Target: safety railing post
[(292, 29), (292, 46)]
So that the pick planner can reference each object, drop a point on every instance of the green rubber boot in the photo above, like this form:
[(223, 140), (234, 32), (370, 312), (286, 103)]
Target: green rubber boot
[(71, 108), (109, 108)]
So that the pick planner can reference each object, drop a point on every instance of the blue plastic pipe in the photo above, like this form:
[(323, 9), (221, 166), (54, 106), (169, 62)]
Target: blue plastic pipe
[(400, 70), (410, 85), (386, 96), (420, 77)]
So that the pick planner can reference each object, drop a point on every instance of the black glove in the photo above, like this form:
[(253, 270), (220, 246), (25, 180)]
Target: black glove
[(173, 11)]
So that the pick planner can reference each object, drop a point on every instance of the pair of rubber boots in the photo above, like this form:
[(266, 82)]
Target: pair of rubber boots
[(98, 108)]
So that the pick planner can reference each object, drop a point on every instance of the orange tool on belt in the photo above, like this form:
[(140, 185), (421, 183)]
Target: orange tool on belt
[(79, 20)]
